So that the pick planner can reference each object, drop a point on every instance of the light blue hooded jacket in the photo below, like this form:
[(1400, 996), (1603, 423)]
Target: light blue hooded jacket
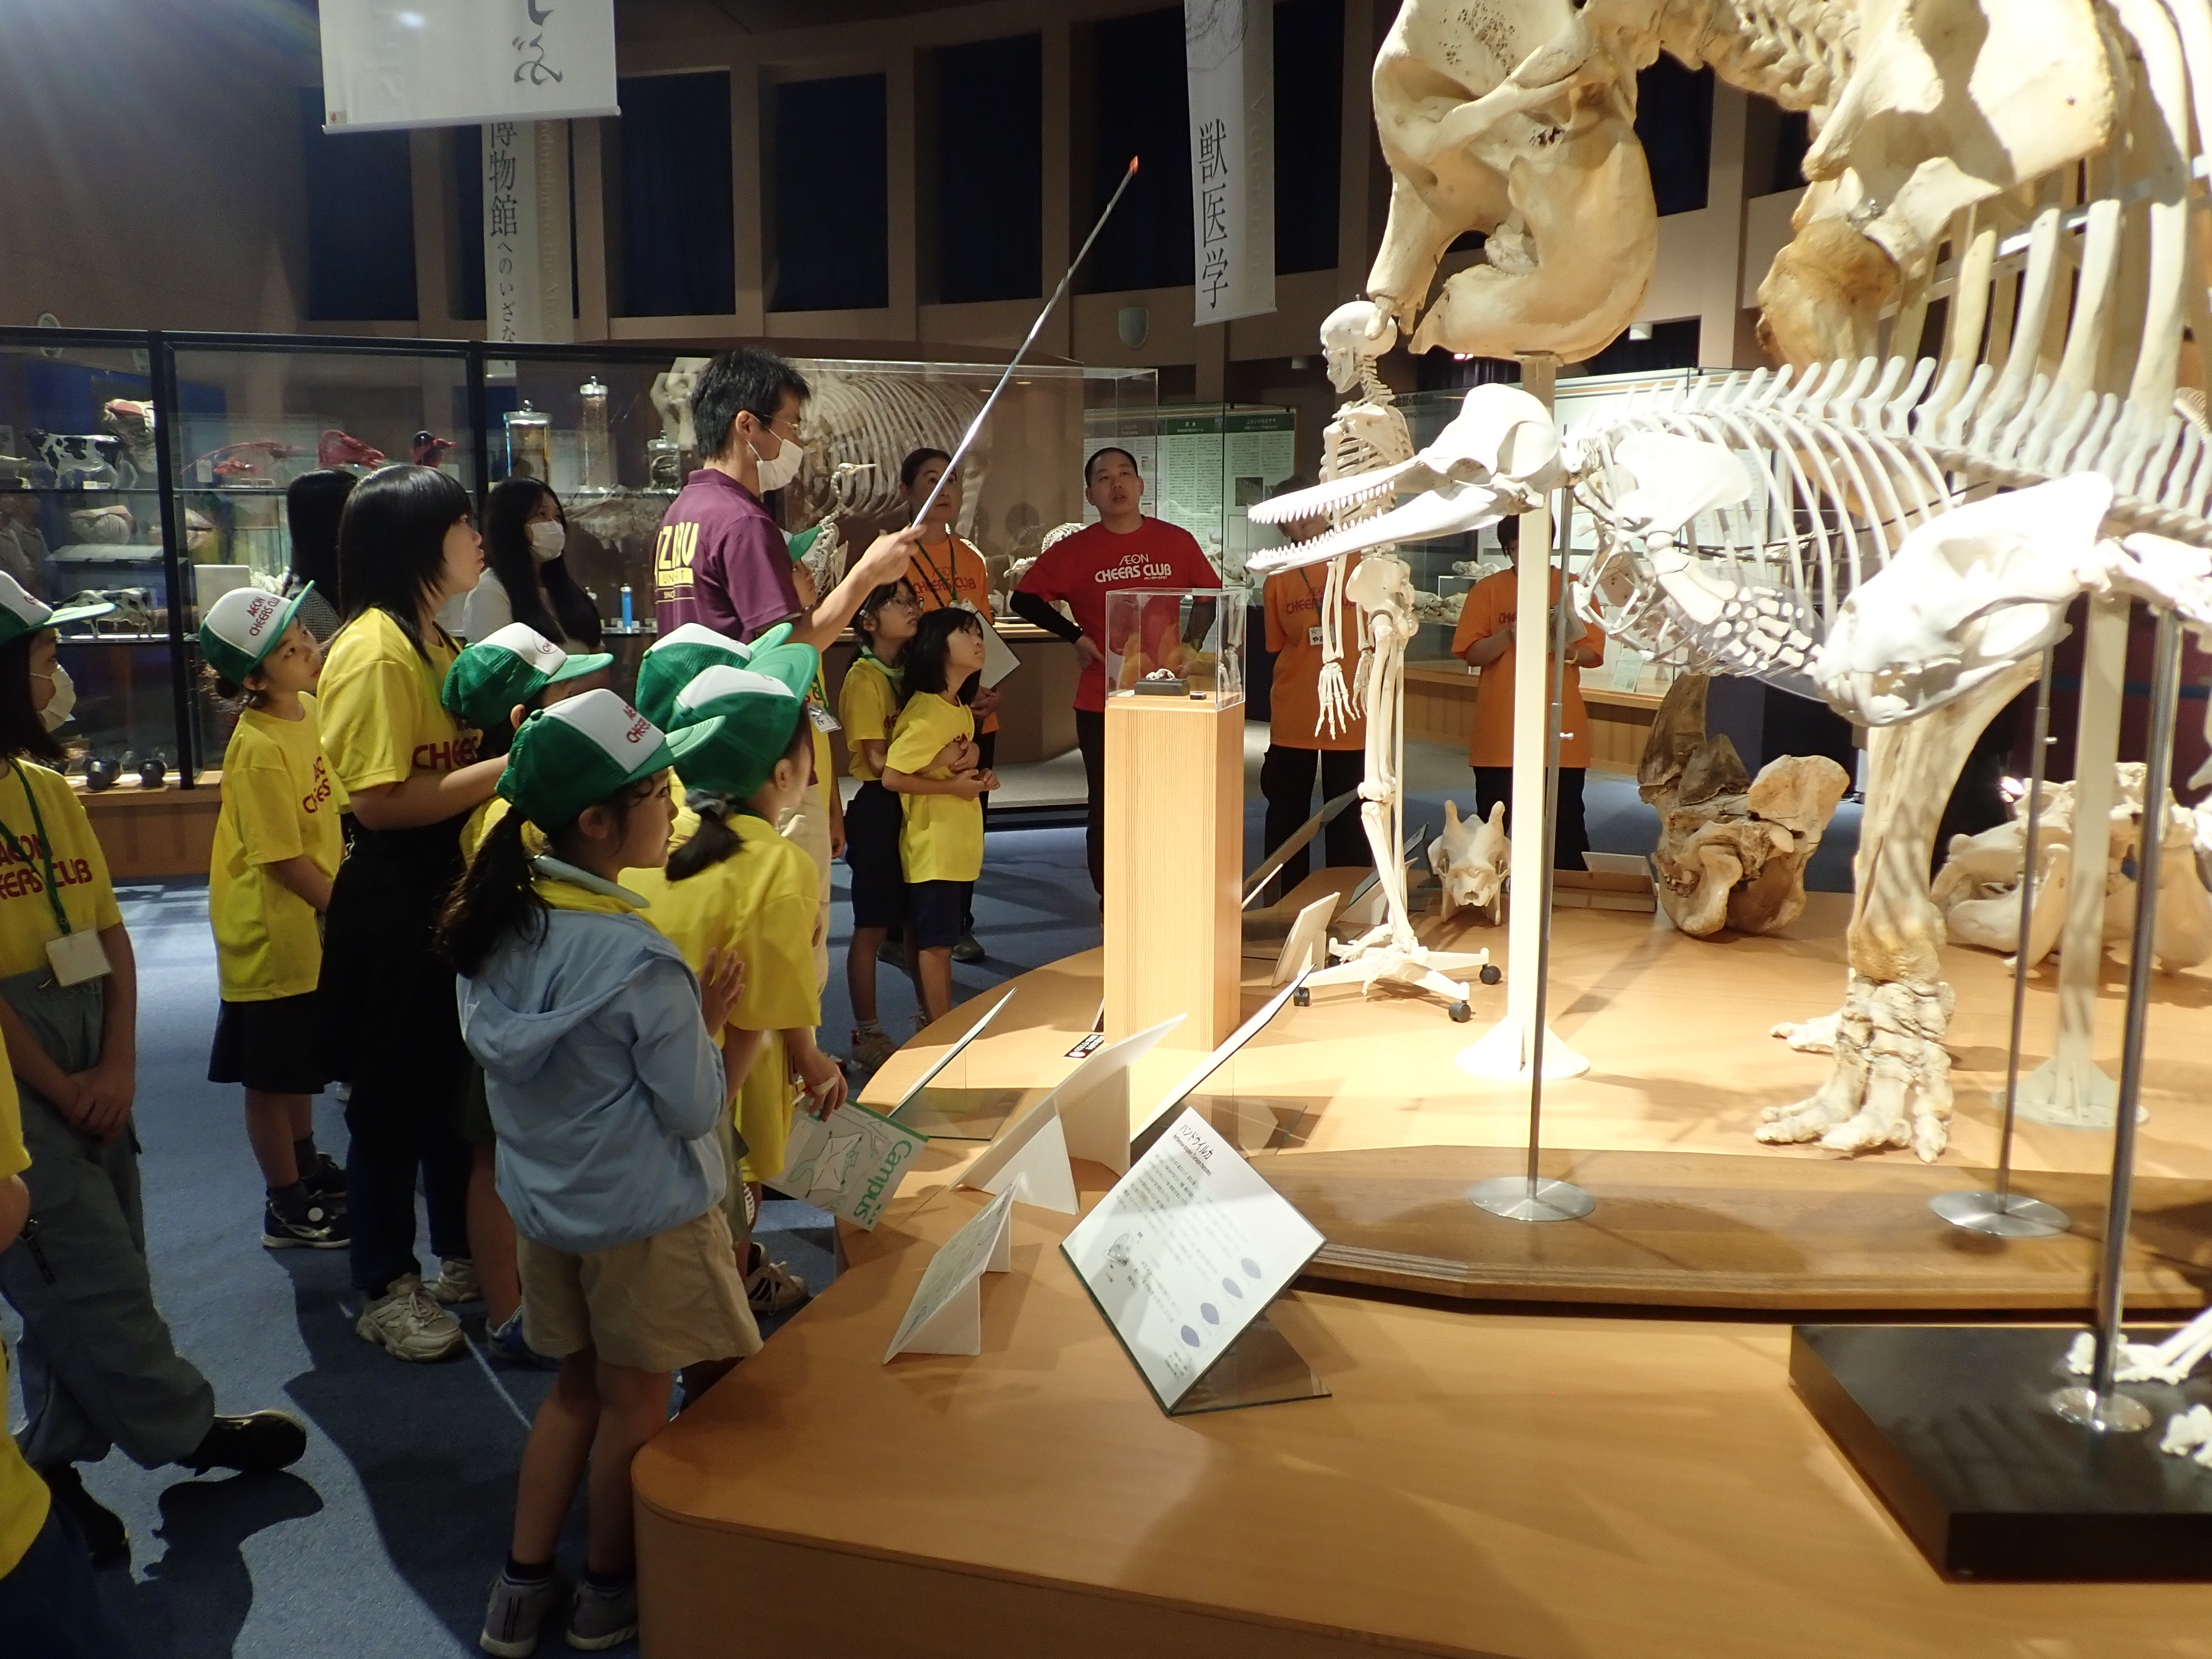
[(604, 1084)]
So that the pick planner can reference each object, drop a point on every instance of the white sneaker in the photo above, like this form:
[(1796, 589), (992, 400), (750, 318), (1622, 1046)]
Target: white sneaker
[(456, 1282), (407, 1324), (773, 1288)]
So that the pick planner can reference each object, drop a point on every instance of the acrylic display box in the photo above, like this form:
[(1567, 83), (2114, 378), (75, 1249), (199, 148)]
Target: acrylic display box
[(1184, 643)]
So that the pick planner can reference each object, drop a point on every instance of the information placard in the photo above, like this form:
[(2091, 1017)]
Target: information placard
[(1185, 1254), (946, 1313)]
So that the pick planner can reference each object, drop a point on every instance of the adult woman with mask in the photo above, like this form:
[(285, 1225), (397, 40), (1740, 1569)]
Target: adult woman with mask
[(390, 1026), (525, 579)]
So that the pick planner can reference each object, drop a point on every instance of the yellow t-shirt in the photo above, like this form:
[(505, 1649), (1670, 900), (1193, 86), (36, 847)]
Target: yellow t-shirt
[(867, 707), (381, 718), (23, 1496), (941, 837), (759, 902), (279, 801), (80, 868)]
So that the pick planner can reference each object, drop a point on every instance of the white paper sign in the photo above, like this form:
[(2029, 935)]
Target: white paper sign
[(1187, 1250), (1091, 1103), (849, 1164), (946, 1313), (1030, 1160), (1228, 56), (455, 63)]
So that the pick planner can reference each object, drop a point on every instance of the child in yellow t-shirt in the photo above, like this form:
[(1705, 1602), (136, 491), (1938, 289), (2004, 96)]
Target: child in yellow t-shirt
[(934, 765), (867, 707), (277, 849), (742, 742)]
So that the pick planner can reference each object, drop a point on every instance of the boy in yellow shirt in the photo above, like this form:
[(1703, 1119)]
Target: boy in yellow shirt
[(867, 707), (934, 766), (743, 743), (277, 849)]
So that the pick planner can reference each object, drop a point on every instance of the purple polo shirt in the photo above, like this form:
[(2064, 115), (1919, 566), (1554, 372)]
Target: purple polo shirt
[(720, 560)]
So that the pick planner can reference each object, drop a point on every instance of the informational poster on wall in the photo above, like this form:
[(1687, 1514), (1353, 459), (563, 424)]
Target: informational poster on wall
[(456, 63), (1212, 466)]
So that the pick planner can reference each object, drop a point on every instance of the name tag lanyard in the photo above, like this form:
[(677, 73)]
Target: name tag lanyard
[(75, 956)]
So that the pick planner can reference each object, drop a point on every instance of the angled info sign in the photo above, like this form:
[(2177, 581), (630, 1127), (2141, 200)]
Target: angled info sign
[(456, 63)]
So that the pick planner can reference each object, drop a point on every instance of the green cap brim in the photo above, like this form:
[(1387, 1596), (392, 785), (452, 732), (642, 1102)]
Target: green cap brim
[(70, 613), (226, 659), (577, 666)]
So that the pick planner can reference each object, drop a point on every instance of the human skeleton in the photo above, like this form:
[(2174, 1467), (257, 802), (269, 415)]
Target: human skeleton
[(1822, 527)]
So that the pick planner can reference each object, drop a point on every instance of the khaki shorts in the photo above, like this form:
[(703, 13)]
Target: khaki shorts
[(657, 1305)]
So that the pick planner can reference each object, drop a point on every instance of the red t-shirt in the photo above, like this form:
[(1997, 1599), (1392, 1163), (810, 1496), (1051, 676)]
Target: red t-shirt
[(1086, 567), (720, 560)]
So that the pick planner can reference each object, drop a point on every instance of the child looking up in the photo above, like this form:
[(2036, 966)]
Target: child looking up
[(744, 745), (934, 765), (606, 1087), (493, 685), (276, 848), (867, 707)]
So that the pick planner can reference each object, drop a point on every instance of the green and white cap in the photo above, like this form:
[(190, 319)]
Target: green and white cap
[(576, 754), (21, 614), (510, 666), (732, 724), (680, 655), (243, 627)]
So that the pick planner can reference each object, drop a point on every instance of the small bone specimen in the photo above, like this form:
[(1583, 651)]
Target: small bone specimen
[(1732, 849), (1470, 860), (2170, 1361), (2189, 1434)]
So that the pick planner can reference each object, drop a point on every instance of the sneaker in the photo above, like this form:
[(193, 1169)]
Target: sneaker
[(517, 1608), (106, 1540), (456, 1282), (892, 953), (601, 1619), (967, 948), (871, 1048), (407, 1324), (324, 1179), (508, 1345), (252, 1445), (317, 1228), (773, 1288)]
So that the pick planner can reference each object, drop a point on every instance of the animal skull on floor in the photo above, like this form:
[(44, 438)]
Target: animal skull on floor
[(1732, 850), (1471, 859)]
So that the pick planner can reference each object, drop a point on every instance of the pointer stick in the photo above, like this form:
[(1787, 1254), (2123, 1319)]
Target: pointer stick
[(967, 438)]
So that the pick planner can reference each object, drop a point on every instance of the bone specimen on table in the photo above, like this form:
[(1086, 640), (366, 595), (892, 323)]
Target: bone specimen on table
[(1471, 859), (1732, 849)]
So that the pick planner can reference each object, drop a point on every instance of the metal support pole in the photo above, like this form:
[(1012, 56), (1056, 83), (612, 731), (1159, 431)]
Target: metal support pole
[(2004, 1213), (2099, 1405)]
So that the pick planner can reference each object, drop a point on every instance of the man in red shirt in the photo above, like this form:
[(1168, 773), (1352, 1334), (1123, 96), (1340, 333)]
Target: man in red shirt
[(721, 559), (1124, 549)]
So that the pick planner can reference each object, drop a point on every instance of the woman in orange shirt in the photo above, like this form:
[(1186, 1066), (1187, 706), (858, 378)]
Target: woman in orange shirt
[(1485, 639), (946, 570)]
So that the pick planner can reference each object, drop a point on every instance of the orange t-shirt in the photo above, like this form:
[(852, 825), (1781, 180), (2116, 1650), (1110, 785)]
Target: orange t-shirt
[(941, 575), (1291, 602), (1490, 604)]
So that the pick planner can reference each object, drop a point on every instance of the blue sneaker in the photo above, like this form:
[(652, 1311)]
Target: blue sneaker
[(506, 1347)]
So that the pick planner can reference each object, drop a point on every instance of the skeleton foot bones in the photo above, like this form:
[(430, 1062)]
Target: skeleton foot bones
[(1891, 1082)]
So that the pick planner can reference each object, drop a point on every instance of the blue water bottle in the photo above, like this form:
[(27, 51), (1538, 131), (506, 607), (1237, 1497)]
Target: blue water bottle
[(630, 617)]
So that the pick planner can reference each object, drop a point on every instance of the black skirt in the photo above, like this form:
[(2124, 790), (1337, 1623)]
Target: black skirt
[(273, 1046), (871, 850)]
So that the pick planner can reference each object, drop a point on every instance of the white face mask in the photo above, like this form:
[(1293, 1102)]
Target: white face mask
[(774, 474), (549, 539), (56, 714)]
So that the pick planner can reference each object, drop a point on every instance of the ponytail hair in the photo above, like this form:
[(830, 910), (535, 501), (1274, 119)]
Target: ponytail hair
[(712, 843), (493, 898)]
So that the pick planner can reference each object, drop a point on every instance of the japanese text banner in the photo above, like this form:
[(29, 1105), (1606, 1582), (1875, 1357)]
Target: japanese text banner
[(1228, 54), (455, 63)]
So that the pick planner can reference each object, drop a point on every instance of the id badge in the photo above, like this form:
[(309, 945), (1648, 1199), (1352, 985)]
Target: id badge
[(76, 957), (824, 721), (1313, 634)]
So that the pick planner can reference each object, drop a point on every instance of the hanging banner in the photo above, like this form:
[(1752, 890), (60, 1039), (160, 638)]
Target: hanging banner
[(456, 63), (1229, 55), (527, 290)]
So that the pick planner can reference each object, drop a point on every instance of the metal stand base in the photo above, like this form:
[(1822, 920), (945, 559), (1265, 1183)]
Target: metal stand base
[(2116, 1414), (1516, 1198), (2009, 1215)]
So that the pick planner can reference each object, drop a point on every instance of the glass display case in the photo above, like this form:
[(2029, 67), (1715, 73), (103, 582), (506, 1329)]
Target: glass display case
[(1185, 643), (81, 512), (252, 413)]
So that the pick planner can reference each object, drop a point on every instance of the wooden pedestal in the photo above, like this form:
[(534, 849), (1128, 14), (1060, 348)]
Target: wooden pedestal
[(1175, 829)]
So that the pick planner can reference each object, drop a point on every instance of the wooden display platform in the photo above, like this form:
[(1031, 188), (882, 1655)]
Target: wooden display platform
[(1542, 1488), (1368, 1123)]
